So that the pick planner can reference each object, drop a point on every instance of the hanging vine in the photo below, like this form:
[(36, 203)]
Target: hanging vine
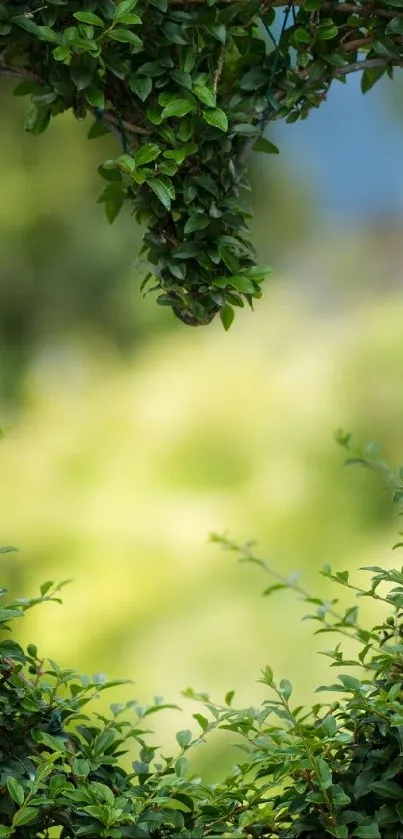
[(188, 87)]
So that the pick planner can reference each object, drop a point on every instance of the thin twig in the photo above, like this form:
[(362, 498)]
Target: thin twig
[(110, 119), (367, 64), (19, 73), (218, 70)]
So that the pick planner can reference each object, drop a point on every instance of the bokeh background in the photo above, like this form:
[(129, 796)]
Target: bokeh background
[(130, 437)]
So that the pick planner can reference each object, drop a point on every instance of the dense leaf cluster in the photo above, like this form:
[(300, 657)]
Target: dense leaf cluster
[(188, 86), (331, 770)]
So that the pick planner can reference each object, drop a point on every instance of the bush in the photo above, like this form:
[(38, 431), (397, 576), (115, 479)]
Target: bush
[(188, 88), (331, 770)]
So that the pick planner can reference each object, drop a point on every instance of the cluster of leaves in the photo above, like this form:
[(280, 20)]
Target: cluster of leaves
[(331, 770), (188, 86)]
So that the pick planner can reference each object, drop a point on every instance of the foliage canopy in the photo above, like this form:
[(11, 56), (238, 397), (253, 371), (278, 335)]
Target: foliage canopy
[(188, 87), (330, 770)]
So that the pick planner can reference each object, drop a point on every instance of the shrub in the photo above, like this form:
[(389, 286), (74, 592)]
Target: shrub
[(188, 87), (331, 770)]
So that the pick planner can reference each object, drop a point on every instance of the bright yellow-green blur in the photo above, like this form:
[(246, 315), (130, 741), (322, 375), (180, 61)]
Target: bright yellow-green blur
[(116, 468)]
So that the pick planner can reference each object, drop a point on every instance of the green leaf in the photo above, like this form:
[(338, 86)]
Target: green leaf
[(88, 17), (182, 78), (302, 36), (184, 738), (327, 33), (61, 52), (123, 8), (227, 315), (141, 86), (217, 118), (160, 190), (16, 791), (368, 829), (146, 154), (265, 146), (98, 129), (246, 129), (387, 789), (25, 816), (205, 95), (258, 272), (197, 221), (285, 689), (125, 36), (395, 26), (95, 97), (45, 33), (187, 250), (242, 283), (351, 683), (9, 614), (181, 767), (178, 108), (203, 722)]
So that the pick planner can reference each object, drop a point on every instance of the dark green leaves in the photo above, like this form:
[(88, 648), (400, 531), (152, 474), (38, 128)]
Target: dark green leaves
[(141, 86), (217, 118), (16, 791), (161, 191), (187, 91), (178, 108)]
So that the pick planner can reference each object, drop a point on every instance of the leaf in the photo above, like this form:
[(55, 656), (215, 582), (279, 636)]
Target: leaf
[(146, 154), (98, 129), (141, 86), (205, 95), (9, 614), (258, 272), (123, 8), (203, 722), (16, 791), (217, 118), (264, 145), (187, 250), (198, 221), (302, 36), (246, 129), (387, 789), (182, 78), (88, 17), (25, 816), (160, 191), (125, 36), (241, 283), (181, 766), (95, 97), (285, 688), (178, 108), (395, 26), (368, 829), (227, 315), (184, 738), (351, 683)]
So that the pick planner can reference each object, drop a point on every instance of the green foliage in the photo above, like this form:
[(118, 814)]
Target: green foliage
[(332, 770), (188, 87)]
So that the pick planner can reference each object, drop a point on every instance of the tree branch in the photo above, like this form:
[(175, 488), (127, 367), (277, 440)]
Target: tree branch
[(366, 64), (20, 74), (351, 8)]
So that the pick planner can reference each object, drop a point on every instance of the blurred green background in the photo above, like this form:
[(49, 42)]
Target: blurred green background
[(130, 437)]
